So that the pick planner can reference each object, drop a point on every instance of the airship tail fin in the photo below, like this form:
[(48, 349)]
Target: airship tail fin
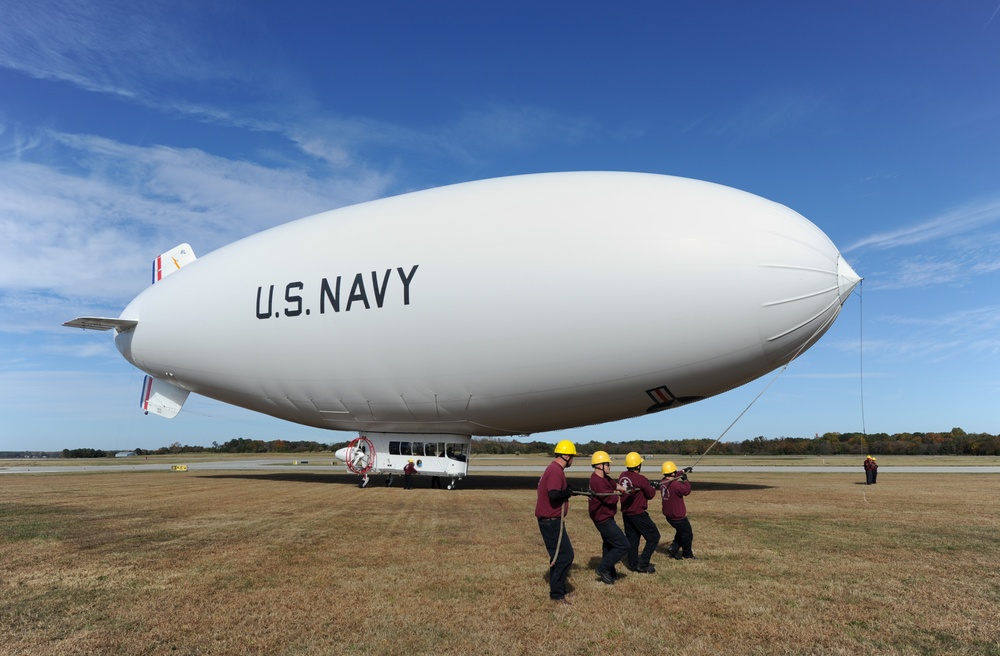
[(172, 261), (162, 398)]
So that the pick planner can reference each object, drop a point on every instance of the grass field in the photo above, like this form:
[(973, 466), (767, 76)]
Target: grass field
[(295, 562)]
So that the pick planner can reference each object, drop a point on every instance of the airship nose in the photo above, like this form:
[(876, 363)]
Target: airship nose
[(846, 278), (341, 454)]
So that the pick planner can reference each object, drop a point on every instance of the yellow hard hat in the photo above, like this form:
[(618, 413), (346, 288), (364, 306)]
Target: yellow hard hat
[(633, 460), (669, 468), (599, 458), (410, 460), (566, 448)]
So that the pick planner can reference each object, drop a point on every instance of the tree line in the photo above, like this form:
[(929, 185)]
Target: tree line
[(954, 442), (238, 445)]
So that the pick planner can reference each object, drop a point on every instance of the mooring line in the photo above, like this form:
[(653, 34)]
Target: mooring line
[(823, 326), (861, 353)]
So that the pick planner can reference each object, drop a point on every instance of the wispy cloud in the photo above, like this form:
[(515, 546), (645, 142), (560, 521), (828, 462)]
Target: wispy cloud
[(473, 135), (954, 222), (973, 332), (61, 229), (771, 112), (515, 128), (992, 16), (169, 60), (82, 239), (122, 49), (952, 248)]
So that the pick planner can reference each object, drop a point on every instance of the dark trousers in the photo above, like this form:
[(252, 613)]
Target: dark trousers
[(869, 477), (683, 535), (561, 561), (407, 481), (637, 526), (614, 545)]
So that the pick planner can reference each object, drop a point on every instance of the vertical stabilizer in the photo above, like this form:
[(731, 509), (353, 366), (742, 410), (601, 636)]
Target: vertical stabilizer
[(162, 398), (172, 261)]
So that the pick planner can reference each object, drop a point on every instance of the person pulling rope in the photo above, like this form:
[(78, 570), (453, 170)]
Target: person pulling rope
[(551, 508)]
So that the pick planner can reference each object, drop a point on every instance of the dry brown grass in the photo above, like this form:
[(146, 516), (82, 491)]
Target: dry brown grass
[(307, 563)]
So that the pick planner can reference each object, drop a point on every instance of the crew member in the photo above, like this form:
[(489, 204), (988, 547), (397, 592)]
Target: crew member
[(673, 488), (635, 516), (551, 507), (871, 470), (408, 471), (603, 505)]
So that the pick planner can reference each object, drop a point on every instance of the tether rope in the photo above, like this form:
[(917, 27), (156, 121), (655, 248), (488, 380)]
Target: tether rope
[(823, 326)]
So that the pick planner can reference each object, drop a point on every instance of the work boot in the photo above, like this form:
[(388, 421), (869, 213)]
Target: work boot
[(606, 577), (674, 550), (646, 569)]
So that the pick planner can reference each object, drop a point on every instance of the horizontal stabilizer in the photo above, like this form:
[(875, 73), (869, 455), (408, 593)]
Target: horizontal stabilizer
[(172, 261), (162, 398), (102, 323)]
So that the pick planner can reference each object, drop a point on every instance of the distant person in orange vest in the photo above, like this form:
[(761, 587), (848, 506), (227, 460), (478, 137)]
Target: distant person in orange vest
[(871, 471)]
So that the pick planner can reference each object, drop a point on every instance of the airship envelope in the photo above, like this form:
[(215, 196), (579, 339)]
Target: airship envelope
[(499, 307)]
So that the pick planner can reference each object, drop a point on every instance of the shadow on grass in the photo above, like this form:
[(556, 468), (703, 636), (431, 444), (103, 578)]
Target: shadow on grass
[(470, 483)]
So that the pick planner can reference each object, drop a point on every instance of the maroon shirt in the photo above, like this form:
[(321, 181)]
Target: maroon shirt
[(602, 508), (554, 478), (673, 491), (636, 501)]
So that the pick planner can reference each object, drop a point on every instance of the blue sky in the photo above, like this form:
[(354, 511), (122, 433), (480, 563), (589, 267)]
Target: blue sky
[(128, 128)]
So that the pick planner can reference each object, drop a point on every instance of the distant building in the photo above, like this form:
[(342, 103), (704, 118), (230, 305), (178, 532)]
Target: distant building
[(124, 454)]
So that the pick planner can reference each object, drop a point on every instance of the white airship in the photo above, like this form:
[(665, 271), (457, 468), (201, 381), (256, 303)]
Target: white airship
[(507, 306)]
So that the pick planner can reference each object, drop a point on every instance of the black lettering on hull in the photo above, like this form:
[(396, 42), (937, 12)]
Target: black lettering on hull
[(326, 294), (384, 291), (295, 302), (270, 298), (358, 293)]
